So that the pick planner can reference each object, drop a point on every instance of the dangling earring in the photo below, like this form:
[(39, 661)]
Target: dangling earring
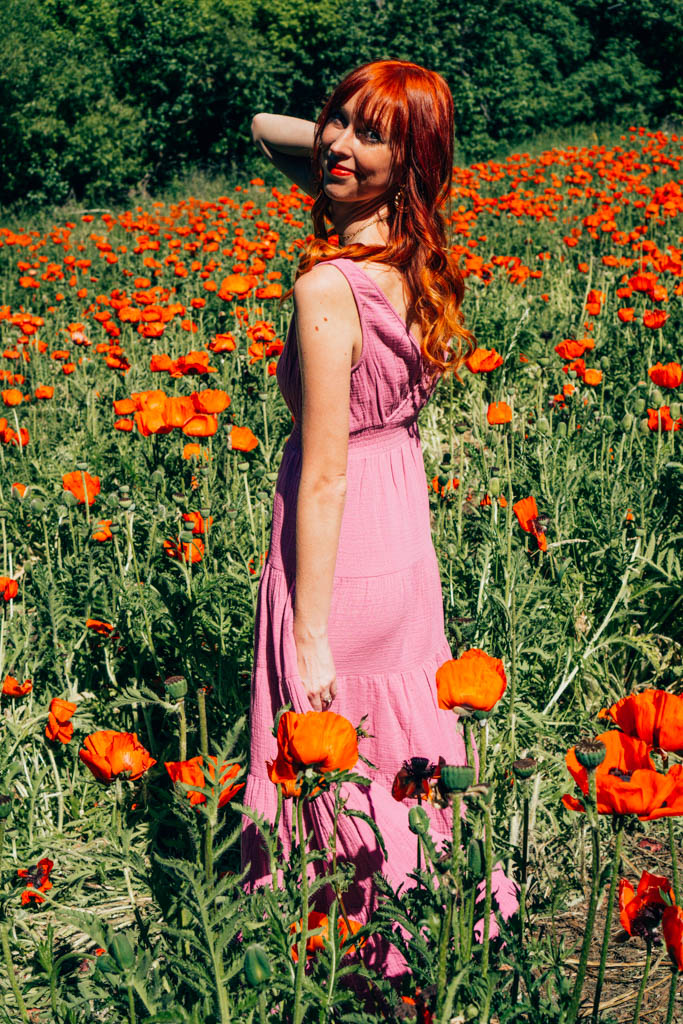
[(399, 198)]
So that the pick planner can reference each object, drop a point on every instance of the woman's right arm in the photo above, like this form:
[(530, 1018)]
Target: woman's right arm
[(288, 144)]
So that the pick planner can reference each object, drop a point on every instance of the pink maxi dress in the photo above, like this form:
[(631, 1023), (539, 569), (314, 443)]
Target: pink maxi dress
[(386, 623)]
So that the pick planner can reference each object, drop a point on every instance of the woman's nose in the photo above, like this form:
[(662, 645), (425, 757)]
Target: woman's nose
[(343, 140)]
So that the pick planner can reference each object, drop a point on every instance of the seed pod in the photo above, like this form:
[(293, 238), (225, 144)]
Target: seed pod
[(590, 753), (176, 687), (257, 969), (456, 778), (524, 768)]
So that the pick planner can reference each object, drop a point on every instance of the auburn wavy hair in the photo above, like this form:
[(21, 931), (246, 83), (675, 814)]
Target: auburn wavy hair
[(414, 109)]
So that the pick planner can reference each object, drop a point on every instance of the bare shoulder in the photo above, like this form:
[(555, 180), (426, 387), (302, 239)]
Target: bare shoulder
[(323, 283)]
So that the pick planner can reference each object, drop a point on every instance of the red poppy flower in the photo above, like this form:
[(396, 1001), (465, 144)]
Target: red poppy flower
[(661, 418), (527, 517), (574, 349), (82, 486), (592, 377), (192, 552), (44, 391), (37, 880), (18, 488), (654, 318), (316, 921), (626, 781), (666, 376), (412, 778), (11, 687), (58, 727), (483, 360), (102, 532), (211, 400), (99, 626), (654, 716), (199, 524), (672, 930), (201, 425), (475, 680), (499, 412), (640, 911), (626, 314), (9, 588), (190, 772), (109, 754), (319, 739)]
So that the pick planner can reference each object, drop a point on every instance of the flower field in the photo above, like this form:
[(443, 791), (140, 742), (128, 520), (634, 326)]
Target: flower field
[(140, 435)]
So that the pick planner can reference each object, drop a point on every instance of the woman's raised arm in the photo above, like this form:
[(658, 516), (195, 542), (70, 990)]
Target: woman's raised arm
[(288, 144)]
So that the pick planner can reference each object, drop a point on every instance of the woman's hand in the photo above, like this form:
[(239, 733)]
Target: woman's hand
[(316, 670)]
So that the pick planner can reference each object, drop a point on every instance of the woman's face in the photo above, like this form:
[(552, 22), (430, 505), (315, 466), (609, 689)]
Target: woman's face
[(356, 160)]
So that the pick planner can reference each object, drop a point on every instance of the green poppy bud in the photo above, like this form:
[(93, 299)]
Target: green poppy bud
[(542, 425), (257, 969), (627, 421), (186, 536), (561, 429), (639, 406), (243, 467), (418, 821), (476, 856), (494, 486), (675, 410), (657, 397)]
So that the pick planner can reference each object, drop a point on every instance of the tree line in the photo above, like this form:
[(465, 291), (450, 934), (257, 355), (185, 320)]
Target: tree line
[(99, 96)]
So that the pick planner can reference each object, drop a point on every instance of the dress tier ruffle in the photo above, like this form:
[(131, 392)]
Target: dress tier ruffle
[(386, 624)]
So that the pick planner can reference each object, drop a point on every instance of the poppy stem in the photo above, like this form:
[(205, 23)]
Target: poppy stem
[(303, 938), (592, 903), (182, 730), (674, 861), (643, 983), (60, 792), (672, 996), (204, 749), (419, 849), (7, 956), (456, 867), (131, 1005), (619, 827), (488, 854)]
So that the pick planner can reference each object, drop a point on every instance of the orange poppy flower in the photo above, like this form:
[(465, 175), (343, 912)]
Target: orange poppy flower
[(19, 489), (242, 439), (98, 626), (499, 412), (109, 754), (201, 425), (178, 410), (102, 533), (125, 425), (574, 349), (190, 772), (654, 716), (194, 451), (58, 727), (222, 343), (151, 421), (321, 739), (527, 517), (640, 910), (192, 552), (661, 418), (475, 681), (666, 376), (199, 524), (483, 360), (82, 486), (672, 931), (592, 377), (235, 284), (212, 400), (125, 406), (412, 778), (316, 921), (626, 314), (44, 391), (12, 396), (161, 363), (626, 781), (11, 687), (9, 588)]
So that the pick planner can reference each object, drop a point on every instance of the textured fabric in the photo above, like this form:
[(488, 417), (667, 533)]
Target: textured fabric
[(386, 625)]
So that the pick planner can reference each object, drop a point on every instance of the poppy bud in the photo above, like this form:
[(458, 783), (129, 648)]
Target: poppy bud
[(639, 406), (418, 821), (243, 467), (176, 687), (627, 421), (257, 969), (675, 410), (122, 951), (157, 477), (62, 510), (561, 429), (494, 486), (644, 427), (657, 397), (590, 753), (542, 426), (69, 499), (524, 768), (186, 536), (476, 856), (456, 778), (37, 505), (114, 528)]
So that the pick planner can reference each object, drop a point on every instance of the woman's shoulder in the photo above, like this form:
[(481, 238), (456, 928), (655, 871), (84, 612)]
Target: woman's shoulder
[(323, 284)]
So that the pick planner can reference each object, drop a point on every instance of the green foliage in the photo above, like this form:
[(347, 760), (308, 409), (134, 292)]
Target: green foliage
[(103, 96)]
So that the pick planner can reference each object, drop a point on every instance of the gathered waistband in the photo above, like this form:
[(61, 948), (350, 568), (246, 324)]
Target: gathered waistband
[(376, 438)]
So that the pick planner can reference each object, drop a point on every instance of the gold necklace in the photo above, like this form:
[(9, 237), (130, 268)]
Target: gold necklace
[(379, 220)]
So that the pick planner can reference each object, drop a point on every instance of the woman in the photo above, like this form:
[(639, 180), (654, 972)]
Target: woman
[(350, 609)]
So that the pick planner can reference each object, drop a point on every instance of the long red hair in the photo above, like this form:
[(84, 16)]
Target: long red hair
[(414, 106)]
